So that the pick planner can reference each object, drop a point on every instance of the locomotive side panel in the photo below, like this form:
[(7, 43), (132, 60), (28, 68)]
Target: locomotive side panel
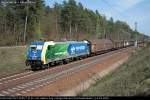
[(56, 52)]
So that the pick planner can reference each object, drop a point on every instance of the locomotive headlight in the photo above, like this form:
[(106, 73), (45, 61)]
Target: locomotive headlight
[(34, 58)]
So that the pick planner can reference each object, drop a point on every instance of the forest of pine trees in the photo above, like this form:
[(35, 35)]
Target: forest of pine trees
[(21, 23)]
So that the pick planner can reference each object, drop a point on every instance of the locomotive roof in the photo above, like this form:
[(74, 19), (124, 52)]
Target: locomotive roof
[(37, 43), (67, 42), (53, 42)]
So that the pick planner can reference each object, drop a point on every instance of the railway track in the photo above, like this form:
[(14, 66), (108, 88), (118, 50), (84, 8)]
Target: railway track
[(22, 83)]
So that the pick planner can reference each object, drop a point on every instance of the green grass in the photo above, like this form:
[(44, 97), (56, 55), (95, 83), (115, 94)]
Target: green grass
[(132, 78), (12, 60)]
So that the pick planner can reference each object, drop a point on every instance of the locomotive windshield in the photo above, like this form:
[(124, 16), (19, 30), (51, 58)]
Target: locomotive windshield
[(36, 47), (33, 48)]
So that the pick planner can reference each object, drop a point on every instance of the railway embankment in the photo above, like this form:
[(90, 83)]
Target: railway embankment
[(74, 82), (12, 60), (130, 79)]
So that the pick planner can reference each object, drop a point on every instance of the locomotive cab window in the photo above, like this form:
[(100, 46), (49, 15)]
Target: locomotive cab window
[(32, 48), (36, 47), (49, 47), (39, 47)]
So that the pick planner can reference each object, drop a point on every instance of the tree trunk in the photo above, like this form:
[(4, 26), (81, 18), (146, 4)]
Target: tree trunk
[(25, 28), (70, 30)]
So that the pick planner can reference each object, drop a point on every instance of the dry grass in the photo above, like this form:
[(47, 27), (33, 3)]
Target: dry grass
[(132, 78), (12, 60)]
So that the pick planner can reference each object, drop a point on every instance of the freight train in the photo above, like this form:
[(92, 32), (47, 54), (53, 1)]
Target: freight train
[(44, 54)]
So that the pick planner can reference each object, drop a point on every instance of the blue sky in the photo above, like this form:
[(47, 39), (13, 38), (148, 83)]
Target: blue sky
[(130, 11)]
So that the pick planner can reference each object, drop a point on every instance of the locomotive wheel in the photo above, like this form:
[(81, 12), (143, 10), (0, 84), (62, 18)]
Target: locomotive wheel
[(65, 61), (33, 68), (45, 66)]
